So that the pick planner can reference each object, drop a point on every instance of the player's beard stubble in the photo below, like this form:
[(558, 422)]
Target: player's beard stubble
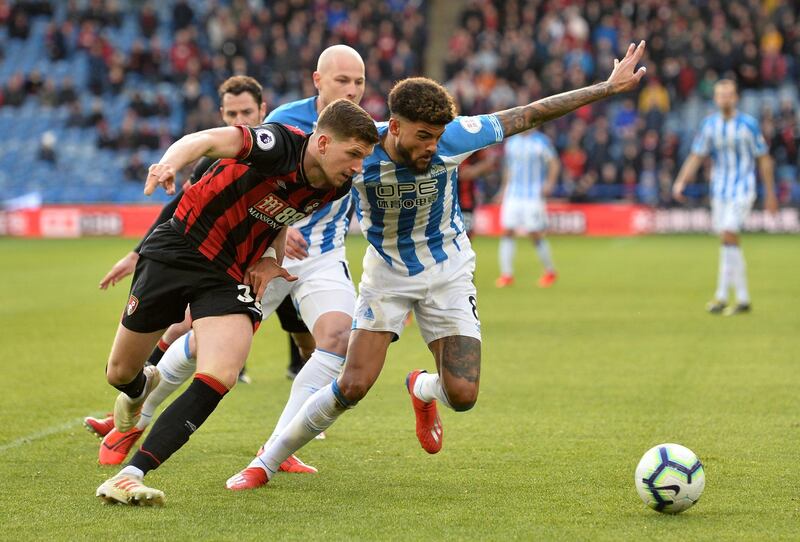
[(410, 163)]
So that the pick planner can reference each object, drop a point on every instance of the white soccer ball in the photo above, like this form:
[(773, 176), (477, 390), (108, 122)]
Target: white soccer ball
[(670, 478)]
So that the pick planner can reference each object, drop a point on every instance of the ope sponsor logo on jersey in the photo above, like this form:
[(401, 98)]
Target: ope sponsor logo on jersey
[(395, 196), (275, 212)]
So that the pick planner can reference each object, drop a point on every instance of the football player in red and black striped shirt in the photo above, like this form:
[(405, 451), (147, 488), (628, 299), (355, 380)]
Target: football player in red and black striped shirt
[(267, 178), (241, 102)]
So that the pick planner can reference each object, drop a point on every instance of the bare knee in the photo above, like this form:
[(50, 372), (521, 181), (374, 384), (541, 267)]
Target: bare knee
[(118, 375), (305, 344), (462, 397), (332, 333), (729, 238), (353, 389), (335, 340)]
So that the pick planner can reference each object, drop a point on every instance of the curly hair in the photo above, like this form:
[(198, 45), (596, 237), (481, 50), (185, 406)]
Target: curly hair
[(347, 120), (422, 99), (239, 84)]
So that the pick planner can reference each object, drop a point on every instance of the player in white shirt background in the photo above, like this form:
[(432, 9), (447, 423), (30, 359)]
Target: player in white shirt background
[(530, 174), (419, 257), (735, 144)]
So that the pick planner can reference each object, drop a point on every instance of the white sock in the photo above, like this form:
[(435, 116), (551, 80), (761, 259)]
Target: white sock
[(739, 274), (723, 275), (133, 471), (543, 250), (507, 248), (429, 387), (316, 415), (176, 366), (319, 371)]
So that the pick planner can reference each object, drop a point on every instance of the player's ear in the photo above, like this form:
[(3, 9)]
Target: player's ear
[(262, 112), (322, 143), (316, 76), (394, 126)]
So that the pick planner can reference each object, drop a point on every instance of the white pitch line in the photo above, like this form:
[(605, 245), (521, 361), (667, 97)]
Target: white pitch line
[(27, 439)]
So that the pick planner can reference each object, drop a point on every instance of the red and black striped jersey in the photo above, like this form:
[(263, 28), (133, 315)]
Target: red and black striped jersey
[(238, 207)]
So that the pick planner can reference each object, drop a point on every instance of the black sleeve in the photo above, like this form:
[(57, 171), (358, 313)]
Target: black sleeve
[(165, 215), (200, 168), (271, 149), (169, 209)]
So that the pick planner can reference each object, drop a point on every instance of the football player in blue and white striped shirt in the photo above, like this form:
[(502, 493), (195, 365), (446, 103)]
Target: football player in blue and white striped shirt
[(735, 144), (420, 257), (530, 173)]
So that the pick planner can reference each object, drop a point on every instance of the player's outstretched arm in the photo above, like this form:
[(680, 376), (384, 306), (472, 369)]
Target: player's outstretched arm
[(687, 172), (767, 169), (121, 269), (623, 78), (215, 143), (268, 267), (553, 169), (296, 245)]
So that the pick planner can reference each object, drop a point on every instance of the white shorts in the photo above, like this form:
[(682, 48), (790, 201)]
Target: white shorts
[(442, 297), (729, 215), (526, 214), (323, 285)]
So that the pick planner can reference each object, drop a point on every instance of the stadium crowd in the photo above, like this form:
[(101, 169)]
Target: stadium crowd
[(508, 52), (136, 75)]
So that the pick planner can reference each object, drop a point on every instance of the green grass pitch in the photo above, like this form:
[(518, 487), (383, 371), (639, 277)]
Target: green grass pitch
[(578, 382)]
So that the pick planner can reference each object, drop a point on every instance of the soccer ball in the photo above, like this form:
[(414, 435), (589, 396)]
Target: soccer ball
[(670, 478)]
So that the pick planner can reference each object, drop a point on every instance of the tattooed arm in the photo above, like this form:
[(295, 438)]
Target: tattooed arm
[(623, 78)]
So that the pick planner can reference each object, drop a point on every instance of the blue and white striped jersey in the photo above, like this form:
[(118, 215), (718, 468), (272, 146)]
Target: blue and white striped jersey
[(527, 158), (325, 228), (734, 144), (413, 220)]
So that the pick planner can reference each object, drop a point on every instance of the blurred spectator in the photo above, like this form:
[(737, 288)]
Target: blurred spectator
[(18, 24), (56, 41), (33, 83), (48, 95), (148, 20), (182, 15), (14, 91), (47, 150), (136, 170), (67, 93)]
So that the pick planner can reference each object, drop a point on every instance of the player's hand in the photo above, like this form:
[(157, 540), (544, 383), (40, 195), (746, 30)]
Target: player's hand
[(677, 192), (121, 269), (625, 76), (259, 275), (160, 174), (771, 204), (295, 244)]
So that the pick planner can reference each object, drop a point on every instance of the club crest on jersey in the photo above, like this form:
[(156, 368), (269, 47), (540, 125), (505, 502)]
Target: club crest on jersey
[(133, 304), (436, 170), (275, 212), (312, 206), (264, 139), (470, 124)]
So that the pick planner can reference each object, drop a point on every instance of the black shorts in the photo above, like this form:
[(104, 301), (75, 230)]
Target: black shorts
[(290, 319), (171, 274)]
